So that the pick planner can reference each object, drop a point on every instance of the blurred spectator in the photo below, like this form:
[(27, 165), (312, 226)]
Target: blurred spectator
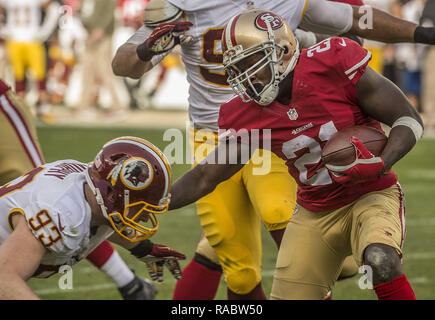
[(172, 60), (428, 94), (375, 47), (410, 55), (64, 49), (130, 17), (99, 20), (25, 32), (3, 57)]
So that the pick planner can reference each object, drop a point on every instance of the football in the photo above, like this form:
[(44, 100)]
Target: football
[(340, 152)]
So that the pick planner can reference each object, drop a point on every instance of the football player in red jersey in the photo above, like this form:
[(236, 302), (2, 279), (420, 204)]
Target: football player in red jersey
[(234, 206), (303, 98)]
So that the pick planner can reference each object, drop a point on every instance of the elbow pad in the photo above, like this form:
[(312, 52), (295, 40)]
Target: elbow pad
[(327, 17)]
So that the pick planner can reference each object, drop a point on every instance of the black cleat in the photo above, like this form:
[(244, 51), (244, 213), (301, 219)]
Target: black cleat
[(138, 289)]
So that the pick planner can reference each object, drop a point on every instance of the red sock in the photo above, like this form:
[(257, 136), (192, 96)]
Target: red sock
[(101, 254), (198, 283), (396, 289)]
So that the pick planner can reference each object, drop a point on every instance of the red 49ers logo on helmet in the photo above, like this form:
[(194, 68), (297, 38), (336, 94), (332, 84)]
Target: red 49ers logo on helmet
[(136, 173), (274, 20)]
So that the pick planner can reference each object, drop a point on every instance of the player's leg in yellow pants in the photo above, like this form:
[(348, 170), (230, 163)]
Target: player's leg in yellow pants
[(24, 55), (231, 217)]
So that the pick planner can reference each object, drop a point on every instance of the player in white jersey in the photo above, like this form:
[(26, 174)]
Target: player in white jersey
[(25, 32), (230, 214), (58, 213)]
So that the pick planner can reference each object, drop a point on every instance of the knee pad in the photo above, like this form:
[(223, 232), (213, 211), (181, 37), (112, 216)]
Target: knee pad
[(242, 281), (275, 215), (205, 250)]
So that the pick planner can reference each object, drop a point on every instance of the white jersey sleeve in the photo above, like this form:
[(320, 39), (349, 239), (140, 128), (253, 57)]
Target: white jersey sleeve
[(327, 17), (51, 198)]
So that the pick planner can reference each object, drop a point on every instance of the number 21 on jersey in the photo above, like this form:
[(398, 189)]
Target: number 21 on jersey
[(312, 157)]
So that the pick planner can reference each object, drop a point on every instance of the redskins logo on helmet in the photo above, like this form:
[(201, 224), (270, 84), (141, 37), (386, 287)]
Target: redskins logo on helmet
[(131, 180), (266, 36), (136, 173)]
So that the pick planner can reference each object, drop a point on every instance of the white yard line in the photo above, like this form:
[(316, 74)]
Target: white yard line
[(95, 287)]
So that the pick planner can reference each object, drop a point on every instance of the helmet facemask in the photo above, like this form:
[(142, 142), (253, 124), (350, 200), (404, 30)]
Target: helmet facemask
[(134, 220), (138, 221), (272, 56)]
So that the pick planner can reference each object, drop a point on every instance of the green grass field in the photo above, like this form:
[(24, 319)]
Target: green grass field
[(181, 229)]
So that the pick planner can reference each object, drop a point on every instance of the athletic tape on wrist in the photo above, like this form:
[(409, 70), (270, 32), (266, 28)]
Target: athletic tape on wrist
[(412, 124)]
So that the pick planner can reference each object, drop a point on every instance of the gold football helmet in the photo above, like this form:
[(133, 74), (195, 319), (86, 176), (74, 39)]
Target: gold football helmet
[(267, 36), (160, 11)]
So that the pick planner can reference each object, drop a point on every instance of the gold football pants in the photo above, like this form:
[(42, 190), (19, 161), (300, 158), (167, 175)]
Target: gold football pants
[(232, 214), (19, 150), (315, 244)]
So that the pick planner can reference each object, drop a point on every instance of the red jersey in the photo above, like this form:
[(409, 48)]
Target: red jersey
[(351, 2), (323, 101)]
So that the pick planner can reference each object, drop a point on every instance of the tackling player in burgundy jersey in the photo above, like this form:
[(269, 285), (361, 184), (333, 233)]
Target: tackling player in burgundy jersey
[(58, 212), (302, 99), (20, 152)]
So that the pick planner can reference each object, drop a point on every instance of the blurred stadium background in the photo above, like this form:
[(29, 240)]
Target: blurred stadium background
[(159, 102)]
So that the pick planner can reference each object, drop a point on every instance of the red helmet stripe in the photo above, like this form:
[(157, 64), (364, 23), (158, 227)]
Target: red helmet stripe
[(229, 33)]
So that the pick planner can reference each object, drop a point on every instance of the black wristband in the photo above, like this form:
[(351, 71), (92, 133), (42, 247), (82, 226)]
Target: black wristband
[(142, 249), (424, 35), (143, 53)]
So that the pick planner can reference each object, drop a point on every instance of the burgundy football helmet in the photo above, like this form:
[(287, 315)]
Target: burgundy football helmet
[(131, 180)]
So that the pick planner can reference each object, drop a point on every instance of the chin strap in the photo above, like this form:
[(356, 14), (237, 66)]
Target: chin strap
[(270, 94), (292, 63), (96, 192)]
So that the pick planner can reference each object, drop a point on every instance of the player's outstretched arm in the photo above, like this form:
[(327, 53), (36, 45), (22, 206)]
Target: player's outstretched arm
[(126, 62), (133, 60), (395, 111), (20, 256), (375, 24), (204, 178), (335, 18)]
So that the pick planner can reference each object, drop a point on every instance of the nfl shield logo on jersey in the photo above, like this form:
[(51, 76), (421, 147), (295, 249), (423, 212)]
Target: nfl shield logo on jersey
[(292, 114)]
